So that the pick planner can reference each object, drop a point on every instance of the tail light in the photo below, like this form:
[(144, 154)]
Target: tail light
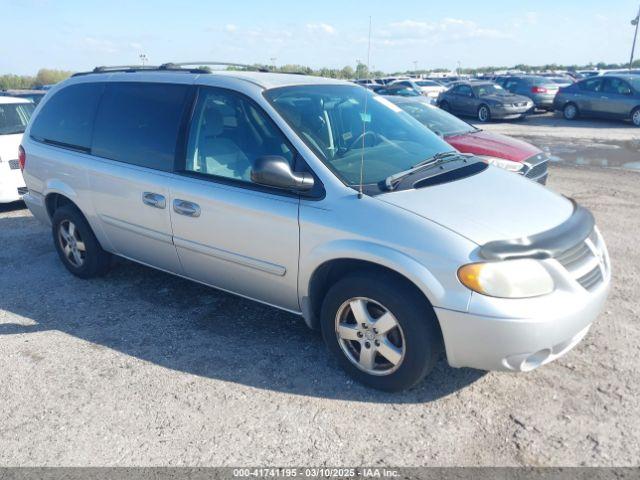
[(22, 158), (538, 90)]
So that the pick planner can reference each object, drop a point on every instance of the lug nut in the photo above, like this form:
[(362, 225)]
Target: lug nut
[(377, 342), (367, 345), (375, 330), (364, 325), (360, 335)]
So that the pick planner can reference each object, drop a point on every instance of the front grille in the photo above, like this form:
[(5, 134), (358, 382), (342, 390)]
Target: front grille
[(22, 190), (14, 164), (586, 262)]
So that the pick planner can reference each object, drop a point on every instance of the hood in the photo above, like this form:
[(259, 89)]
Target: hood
[(493, 144), (491, 205), (9, 146), (506, 97)]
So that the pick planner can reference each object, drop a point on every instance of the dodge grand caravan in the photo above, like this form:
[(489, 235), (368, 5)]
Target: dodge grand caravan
[(321, 198)]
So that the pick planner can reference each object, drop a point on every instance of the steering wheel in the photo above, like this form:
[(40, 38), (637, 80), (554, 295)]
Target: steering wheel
[(360, 139)]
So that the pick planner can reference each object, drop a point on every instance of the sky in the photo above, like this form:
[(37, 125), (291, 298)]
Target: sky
[(80, 34)]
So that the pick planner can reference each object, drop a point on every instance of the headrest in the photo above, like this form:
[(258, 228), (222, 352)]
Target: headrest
[(213, 122)]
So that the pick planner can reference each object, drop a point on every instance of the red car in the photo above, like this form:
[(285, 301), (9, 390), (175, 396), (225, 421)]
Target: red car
[(499, 150)]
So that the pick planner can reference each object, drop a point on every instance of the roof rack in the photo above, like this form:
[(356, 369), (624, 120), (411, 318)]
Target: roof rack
[(200, 67), (177, 66)]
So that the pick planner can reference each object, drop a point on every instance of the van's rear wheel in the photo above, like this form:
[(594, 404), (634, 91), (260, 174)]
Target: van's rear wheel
[(383, 332), (76, 244)]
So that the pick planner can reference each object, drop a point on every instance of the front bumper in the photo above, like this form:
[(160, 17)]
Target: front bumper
[(510, 112), (517, 344), (523, 334)]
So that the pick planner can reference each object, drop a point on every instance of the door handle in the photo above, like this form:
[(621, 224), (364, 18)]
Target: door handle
[(154, 200), (189, 209)]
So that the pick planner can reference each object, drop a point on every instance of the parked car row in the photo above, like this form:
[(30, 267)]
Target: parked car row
[(14, 117)]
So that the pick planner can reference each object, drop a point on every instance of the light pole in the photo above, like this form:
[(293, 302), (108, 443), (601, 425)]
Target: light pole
[(415, 67), (143, 59), (634, 22), (273, 62)]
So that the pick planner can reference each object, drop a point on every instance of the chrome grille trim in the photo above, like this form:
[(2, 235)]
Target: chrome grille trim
[(536, 168), (586, 262)]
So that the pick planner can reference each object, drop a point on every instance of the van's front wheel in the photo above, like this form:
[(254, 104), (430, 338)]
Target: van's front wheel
[(382, 331)]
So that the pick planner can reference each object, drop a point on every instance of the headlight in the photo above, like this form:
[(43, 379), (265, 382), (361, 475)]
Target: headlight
[(522, 278), (503, 163)]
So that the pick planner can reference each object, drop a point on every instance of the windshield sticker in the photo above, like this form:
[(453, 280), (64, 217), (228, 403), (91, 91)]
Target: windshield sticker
[(365, 117)]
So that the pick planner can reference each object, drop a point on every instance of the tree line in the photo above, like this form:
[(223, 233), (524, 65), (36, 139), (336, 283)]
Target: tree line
[(47, 76)]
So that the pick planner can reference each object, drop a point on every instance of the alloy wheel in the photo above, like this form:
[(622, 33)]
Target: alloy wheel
[(636, 118), (570, 111), (71, 243), (370, 336), (483, 114)]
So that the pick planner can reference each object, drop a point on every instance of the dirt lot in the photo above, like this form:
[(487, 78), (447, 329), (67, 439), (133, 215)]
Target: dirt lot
[(142, 368)]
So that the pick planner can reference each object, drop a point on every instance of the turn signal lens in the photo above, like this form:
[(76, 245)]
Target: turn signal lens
[(521, 278)]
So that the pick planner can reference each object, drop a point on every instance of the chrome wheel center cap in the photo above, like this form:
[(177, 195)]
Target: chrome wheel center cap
[(369, 335)]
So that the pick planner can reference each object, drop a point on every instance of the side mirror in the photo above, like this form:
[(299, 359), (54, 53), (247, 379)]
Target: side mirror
[(275, 171)]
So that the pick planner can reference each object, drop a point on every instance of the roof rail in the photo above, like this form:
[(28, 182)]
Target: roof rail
[(175, 66), (200, 67)]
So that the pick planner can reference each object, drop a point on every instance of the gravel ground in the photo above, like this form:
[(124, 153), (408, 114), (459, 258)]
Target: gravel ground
[(142, 368)]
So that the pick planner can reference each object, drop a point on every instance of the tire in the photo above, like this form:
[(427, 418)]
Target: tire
[(635, 116), (570, 111), (76, 244), (445, 106), (484, 113), (415, 341)]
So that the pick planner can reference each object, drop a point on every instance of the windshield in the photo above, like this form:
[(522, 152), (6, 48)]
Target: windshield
[(436, 120), (332, 121), (487, 89), (14, 117)]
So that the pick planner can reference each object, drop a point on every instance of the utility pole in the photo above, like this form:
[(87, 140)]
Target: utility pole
[(273, 62), (634, 22), (143, 59), (415, 66)]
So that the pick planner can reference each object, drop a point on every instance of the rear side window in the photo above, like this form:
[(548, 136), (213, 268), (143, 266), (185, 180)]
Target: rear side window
[(67, 117), (138, 123), (591, 85)]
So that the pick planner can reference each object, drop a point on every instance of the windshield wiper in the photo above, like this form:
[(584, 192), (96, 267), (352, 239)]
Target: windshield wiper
[(392, 181)]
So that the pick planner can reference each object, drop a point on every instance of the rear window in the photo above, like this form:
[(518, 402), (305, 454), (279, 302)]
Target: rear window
[(138, 123), (14, 117), (67, 117)]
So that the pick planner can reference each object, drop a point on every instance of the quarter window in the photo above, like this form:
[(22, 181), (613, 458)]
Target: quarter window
[(67, 117), (228, 133), (138, 123)]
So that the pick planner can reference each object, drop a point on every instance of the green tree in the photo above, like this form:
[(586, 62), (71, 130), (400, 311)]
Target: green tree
[(46, 76)]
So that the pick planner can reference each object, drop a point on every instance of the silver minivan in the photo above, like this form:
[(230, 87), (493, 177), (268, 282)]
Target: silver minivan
[(321, 198)]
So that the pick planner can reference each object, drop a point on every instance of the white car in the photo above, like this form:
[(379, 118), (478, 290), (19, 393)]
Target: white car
[(14, 117)]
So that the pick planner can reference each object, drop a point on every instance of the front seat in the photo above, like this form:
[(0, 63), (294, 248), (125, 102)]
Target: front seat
[(219, 155)]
